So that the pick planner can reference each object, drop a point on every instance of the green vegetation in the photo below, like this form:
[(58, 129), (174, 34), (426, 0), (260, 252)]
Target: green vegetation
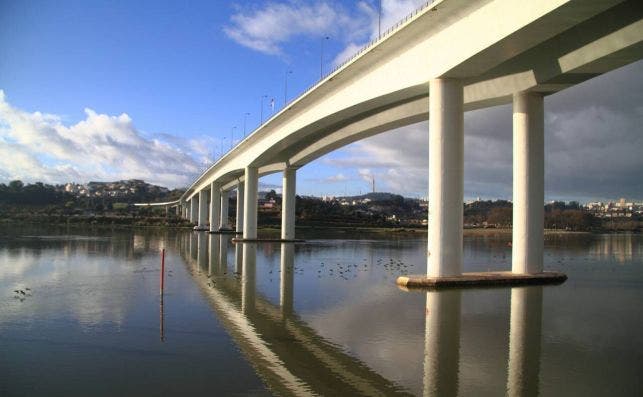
[(112, 204), (41, 203)]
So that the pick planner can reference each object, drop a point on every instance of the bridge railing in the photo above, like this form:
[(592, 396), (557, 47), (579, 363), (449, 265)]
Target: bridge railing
[(367, 46)]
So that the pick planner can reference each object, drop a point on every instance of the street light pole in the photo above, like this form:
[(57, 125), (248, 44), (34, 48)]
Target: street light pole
[(286, 86), (321, 57), (379, 22), (232, 136), (261, 113), (245, 116)]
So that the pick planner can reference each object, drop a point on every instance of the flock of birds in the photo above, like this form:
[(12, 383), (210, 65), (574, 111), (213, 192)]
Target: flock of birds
[(346, 271), (21, 294)]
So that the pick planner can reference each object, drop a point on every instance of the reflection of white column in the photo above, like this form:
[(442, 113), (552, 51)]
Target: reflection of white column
[(203, 208), (225, 201), (214, 254), (288, 196), (223, 253), (202, 259), (194, 209), (442, 343), (240, 193), (215, 206), (524, 341), (446, 180), (287, 282), (248, 272), (193, 246), (238, 258), (250, 203), (528, 183)]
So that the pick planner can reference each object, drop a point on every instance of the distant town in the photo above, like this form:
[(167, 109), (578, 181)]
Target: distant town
[(113, 203)]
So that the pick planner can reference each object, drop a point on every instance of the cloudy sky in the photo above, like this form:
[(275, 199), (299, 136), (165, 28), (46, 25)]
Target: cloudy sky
[(156, 90)]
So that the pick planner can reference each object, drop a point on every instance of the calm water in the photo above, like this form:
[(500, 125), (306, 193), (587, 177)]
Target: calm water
[(324, 317)]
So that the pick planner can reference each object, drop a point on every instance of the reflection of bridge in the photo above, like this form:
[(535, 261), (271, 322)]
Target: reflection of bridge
[(449, 57), (293, 359)]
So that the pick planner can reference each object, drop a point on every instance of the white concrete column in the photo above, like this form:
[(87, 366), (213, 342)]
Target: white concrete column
[(178, 210), (528, 183), (442, 343), (240, 195), (525, 341), (446, 180), (215, 206), (225, 203), (203, 209), (250, 203), (194, 208), (288, 192)]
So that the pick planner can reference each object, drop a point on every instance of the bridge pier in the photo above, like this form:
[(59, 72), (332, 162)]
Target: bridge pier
[(240, 198), (446, 180), (215, 206), (528, 183), (225, 203), (288, 204), (203, 210), (194, 209), (250, 203)]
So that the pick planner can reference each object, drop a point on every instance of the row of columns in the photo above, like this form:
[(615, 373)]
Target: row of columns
[(446, 185), (247, 193), (446, 180)]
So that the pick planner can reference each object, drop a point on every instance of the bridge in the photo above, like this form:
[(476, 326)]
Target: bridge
[(448, 57), (293, 358)]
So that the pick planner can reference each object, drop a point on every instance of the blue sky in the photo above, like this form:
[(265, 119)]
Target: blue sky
[(119, 89)]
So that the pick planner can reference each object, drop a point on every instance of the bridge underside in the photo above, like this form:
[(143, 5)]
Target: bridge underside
[(416, 72)]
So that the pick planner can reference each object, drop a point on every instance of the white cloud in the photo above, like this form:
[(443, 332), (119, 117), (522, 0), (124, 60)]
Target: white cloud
[(39, 147), (268, 28)]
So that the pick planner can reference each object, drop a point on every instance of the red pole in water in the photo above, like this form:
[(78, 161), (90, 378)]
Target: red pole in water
[(162, 268)]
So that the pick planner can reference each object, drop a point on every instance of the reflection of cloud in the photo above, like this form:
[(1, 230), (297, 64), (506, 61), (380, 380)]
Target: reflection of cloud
[(68, 280)]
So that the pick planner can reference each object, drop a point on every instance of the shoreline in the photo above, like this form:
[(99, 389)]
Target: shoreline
[(303, 228)]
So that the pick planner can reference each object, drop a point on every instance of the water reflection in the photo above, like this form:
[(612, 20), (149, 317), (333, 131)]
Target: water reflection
[(287, 280), (312, 331), (442, 343), (289, 355), (524, 341)]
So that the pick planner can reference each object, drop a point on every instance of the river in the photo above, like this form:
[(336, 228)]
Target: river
[(322, 317)]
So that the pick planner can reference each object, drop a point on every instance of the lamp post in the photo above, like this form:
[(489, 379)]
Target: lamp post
[(245, 116), (286, 86), (261, 113), (379, 22), (321, 57), (232, 137), (223, 146)]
